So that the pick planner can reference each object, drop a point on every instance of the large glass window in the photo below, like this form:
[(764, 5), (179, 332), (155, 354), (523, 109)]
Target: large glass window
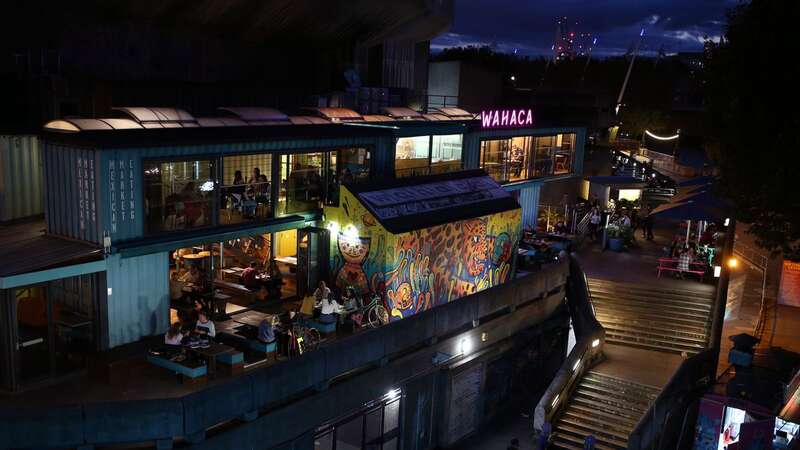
[(412, 156), (302, 185), (309, 179), (446, 153), (525, 157), (423, 155), (377, 428), (178, 195), (545, 148), (494, 158), (564, 154), (246, 194)]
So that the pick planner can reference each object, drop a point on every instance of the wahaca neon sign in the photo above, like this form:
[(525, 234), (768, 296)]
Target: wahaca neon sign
[(503, 118)]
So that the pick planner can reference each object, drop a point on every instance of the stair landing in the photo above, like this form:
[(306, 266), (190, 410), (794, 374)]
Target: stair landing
[(636, 365)]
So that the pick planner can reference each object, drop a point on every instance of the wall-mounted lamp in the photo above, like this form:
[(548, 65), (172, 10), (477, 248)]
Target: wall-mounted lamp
[(717, 271), (595, 343)]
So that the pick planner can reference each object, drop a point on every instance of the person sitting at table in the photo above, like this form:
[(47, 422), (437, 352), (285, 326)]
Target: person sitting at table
[(328, 310), (266, 330), (204, 325), (192, 275), (683, 260), (322, 292), (248, 276), (174, 336)]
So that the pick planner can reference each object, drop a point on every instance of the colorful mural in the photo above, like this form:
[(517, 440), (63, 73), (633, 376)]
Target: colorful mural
[(423, 268)]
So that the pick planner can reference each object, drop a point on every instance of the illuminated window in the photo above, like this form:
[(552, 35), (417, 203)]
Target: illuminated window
[(423, 155), (178, 195)]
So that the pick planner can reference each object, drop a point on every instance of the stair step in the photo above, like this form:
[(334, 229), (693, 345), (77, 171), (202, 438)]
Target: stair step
[(700, 332), (595, 426), (653, 317), (632, 416), (649, 310), (560, 435), (611, 403), (646, 333), (626, 391), (578, 432), (662, 340), (637, 288), (649, 299), (567, 445), (628, 422)]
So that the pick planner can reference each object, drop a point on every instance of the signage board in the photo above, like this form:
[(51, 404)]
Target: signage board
[(506, 118)]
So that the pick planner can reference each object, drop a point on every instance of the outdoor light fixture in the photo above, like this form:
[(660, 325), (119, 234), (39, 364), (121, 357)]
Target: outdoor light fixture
[(555, 400), (333, 226), (484, 336), (595, 343), (392, 394), (208, 186), (109, 290), (733, 262), (577, 364), (465, 346), (351, 232), (727, 221), (513, 78), (717, 271)]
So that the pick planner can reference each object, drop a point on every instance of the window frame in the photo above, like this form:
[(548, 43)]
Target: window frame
[(216, 162)]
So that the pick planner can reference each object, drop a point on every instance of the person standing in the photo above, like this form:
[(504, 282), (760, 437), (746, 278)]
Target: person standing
[(594, 223), (648, 224)]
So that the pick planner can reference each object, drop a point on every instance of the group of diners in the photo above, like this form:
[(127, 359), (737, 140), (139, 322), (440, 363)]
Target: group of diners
[(246, 195)]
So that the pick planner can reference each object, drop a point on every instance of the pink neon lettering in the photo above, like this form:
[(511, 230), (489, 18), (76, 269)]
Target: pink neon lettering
[(486, 119), (496, 121), (504, 118)]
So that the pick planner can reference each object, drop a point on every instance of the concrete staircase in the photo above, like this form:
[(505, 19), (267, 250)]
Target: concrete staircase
[(605, 407), (652, 317)]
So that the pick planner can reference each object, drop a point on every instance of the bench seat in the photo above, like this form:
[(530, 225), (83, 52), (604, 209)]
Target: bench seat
[(188, 373)]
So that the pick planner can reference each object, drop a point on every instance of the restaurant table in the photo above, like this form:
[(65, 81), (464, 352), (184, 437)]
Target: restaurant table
[(289, 260), (210, 355), (233, 272), (252, 318)]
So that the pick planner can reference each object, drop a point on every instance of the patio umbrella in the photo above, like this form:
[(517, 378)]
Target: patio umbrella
[(688, 210), (703, 197)]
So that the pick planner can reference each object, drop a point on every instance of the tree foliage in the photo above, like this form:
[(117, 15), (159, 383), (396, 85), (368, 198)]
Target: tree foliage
[(752, 80), (636, 119)]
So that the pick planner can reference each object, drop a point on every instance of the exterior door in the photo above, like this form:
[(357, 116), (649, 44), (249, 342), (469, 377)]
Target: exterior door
[(312, 258), (34, 336)]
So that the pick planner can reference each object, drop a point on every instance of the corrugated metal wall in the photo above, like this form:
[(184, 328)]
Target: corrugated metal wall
[(70, 183), (21, 190), (139, 302), (529, 200)]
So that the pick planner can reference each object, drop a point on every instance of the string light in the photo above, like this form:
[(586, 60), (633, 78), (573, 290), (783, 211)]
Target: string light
[(661, 138)]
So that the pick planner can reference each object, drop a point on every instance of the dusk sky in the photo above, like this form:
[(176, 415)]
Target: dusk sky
[(529, 25)]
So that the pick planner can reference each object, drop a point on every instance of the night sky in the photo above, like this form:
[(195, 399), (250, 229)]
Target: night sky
[(529, 26)]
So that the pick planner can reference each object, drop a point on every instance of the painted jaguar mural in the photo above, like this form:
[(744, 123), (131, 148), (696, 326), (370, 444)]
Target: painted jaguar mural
[(424, 268)]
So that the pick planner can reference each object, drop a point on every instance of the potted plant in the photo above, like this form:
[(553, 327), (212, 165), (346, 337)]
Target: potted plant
[(618, 236)]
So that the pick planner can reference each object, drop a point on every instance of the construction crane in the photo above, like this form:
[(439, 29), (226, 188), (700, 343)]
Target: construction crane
[(628, 74)]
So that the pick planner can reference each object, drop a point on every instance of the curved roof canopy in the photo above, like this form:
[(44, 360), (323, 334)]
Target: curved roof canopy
[(256, 114)]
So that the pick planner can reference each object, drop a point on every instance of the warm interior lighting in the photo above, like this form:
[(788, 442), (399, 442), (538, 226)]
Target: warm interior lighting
[(733, 262), (727, 221)]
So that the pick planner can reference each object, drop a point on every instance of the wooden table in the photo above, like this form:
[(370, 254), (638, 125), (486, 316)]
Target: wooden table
[(252, 318), (210, 355), (288, 260)]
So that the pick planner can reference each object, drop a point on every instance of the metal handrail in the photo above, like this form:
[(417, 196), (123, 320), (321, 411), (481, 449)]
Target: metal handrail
[(760, 262)]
